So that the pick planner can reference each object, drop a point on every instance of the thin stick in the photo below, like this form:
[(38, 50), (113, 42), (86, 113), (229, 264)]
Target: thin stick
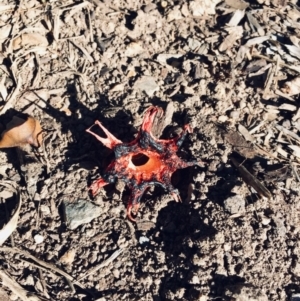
[(102, 264)]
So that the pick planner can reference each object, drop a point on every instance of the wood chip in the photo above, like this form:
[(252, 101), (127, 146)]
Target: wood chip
[(235, 33), (237, 4), (237, 16), (296, 150), (245, 133), (282, 152), (255, 24), (287, 107)]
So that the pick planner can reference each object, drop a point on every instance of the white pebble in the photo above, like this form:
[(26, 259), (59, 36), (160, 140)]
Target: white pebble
[(38, 238)]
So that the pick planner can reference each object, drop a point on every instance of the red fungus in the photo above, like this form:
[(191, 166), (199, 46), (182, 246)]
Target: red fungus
[(143, 162)]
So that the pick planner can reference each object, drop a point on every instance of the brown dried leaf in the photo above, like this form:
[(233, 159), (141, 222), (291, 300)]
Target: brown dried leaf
[(29, 40), (243, 147), (20, 131)]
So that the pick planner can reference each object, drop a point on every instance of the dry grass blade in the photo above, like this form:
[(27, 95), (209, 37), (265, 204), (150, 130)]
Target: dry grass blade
[(251, 180), (11, 225), (20, 131), (17, 289)]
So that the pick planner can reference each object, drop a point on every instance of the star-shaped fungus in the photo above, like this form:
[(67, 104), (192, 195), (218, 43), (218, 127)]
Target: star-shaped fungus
[(143, 162)]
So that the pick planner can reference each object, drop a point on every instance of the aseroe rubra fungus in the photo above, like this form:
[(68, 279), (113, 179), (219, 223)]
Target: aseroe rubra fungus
[(160, 161)]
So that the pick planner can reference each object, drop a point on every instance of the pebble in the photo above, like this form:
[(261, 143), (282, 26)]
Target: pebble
[(116, 273), (193, 44), (143, 240), (174, 14), (265, 220), (195, 279), (133, 49), (80, 212), (147, 84), (68, 257), (38, 238), (235, 204), (45, 209)]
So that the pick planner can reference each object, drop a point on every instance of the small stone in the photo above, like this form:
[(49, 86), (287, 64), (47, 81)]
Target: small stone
[(195, 279), (133, 49), (68, 257), (280, 227), (265, 220), (147, 84), (38, 238), (116, 273), (235, 204), (80, 212), (234, 114), (143, 240), (222, 118), (193, 44), (29, 280), (174, 14), (164, 4), (45, 209), (204, 7)]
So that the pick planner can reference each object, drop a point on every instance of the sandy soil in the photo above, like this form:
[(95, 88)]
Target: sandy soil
[(228, 68)]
